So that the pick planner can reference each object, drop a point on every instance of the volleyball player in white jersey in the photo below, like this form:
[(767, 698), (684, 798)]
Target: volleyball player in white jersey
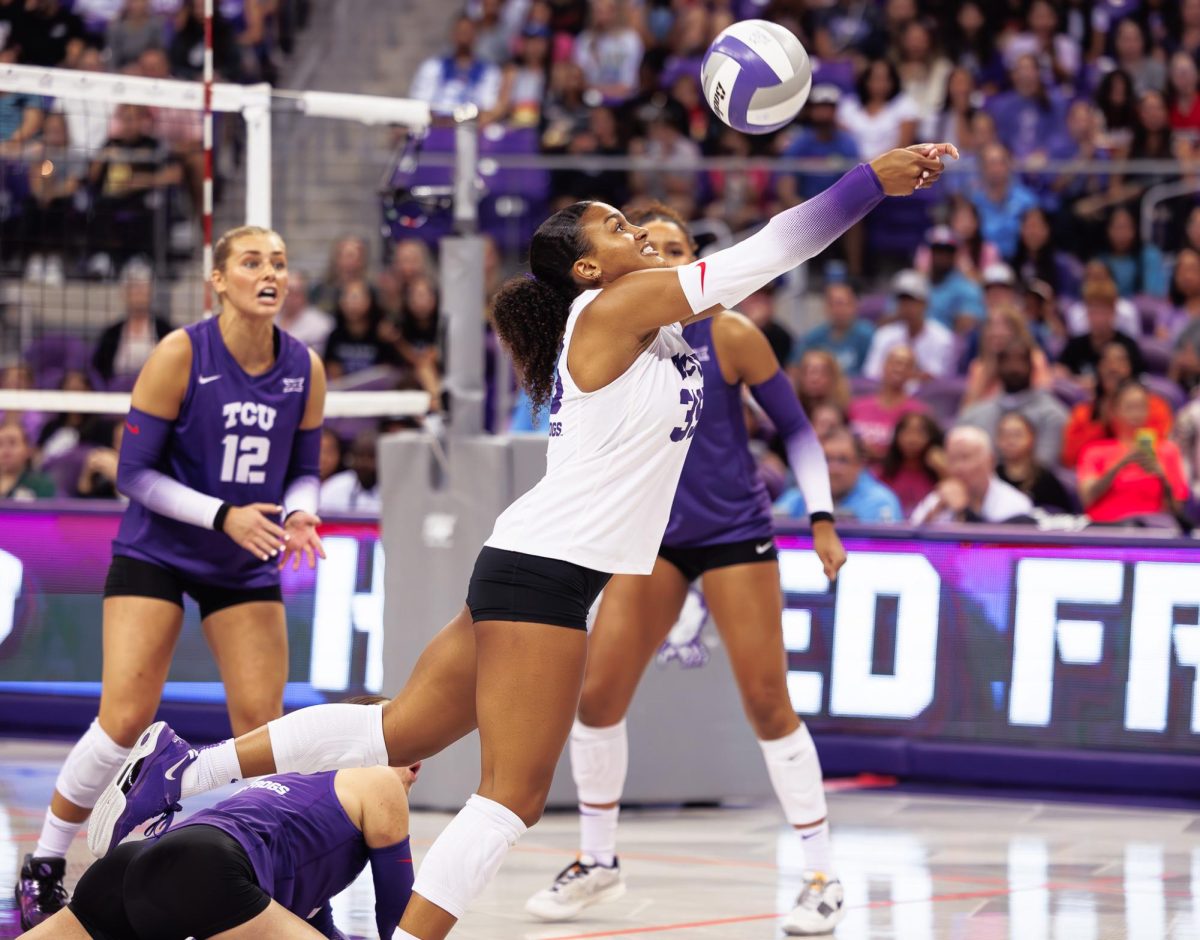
[(595, 330)]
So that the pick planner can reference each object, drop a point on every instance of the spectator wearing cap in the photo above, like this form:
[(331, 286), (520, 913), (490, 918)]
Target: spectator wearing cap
[(857, 495), (1098, 282), (975, 252), (971, 490), (843, 334), (955, 300), (458, 78), (999, 286), (1081, 355), (819, 139), (1001, 199), (822, 139), (609, 53), (1041, 407), (931, 342)]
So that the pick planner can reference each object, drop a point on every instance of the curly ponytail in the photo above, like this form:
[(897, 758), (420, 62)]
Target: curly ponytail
[(531, 310)]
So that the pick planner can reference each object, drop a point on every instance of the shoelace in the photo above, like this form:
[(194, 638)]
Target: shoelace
[(163, 823), (573, 871), (812, 895)]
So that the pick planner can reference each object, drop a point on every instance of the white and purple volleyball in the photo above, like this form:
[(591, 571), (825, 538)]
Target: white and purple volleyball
[(756, 76)]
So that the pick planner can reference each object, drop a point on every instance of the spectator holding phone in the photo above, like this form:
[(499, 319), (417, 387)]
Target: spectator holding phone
[(1135, 472)]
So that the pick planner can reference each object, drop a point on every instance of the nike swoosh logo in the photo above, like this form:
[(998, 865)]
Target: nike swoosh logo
[(764, 548), (132, 428), (170, 774), (205, 379), (702, 265)]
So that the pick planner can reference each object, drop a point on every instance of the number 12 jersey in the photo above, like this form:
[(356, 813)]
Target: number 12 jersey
[(232, 440)]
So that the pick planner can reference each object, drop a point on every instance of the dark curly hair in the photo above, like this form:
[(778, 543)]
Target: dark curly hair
[(531, 310)]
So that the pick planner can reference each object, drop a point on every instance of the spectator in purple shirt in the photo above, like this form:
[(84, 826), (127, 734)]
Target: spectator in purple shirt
[(1029, 117)]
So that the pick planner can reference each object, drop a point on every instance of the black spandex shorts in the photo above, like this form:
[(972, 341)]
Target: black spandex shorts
[(196, 881), (134, 577), (693, 562), (528, 588)]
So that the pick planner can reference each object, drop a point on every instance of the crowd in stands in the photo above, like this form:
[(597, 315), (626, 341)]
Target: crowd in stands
[(1038, 350), (87, 186)]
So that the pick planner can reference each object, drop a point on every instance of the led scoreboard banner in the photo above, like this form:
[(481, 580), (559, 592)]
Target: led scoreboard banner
[(996, 654)]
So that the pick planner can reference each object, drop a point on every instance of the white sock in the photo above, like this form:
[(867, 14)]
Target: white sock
[(57, 835), (214, 767), (795, 772), (467, 855), (92, 763), (598, 833), (328, 737), (818, 855)]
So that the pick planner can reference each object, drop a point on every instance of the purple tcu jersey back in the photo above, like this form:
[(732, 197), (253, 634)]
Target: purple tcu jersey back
[(232, 440), (303, 846), (720, 496)]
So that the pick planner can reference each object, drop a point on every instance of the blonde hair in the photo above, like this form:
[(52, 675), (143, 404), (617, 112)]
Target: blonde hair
[(1015, 318), (839, 395), (224, 247)]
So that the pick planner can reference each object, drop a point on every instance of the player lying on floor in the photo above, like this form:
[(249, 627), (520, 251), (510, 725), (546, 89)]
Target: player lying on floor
[(262, 863)]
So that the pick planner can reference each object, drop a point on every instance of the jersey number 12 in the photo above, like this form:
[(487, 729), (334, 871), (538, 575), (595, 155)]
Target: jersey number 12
[(243, 457)]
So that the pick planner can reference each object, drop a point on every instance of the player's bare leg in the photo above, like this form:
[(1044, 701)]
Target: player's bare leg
[(250, 645)]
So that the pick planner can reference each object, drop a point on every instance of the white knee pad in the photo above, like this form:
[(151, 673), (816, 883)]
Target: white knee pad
[(328, 737), (795, 773), (467, 855), (599, 762), (91, 765)]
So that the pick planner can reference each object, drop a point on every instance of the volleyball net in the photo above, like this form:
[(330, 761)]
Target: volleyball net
[(102, 208)]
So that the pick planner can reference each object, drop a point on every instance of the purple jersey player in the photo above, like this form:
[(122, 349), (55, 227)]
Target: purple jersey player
[(721, 532), (262, 863), (224, 428)]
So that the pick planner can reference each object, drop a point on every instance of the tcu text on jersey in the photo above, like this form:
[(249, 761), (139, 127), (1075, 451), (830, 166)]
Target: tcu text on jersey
[(243, 455)]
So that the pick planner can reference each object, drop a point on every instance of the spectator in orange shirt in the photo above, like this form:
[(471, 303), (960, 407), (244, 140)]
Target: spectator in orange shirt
[(1089, 421), (1135, 472)]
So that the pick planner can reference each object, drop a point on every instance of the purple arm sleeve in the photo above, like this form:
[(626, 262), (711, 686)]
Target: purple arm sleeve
[(139, 478), (302, 485), (392, 874), (805, 454), (729, 276)]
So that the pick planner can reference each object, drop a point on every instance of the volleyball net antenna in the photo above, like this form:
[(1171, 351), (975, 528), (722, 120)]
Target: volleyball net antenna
[(116, 202)]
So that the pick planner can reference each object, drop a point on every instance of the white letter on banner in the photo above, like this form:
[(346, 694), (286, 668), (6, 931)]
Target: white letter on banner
[(800, 572), (854, 689), (1043, 584), (11, 575), (339, 612), (1158, 588)]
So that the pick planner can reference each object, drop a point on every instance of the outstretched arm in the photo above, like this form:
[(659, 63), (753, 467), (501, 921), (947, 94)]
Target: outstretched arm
[(645, 300)]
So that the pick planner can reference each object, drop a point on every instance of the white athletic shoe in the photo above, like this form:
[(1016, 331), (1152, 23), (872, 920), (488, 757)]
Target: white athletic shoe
[(819, 908), (581, 884)]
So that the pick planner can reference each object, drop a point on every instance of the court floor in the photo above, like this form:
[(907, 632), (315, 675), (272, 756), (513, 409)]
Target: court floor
[(915, 868)]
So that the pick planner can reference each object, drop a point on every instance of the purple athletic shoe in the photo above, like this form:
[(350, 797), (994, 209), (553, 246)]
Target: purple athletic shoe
[(148, 785), (40, 893)]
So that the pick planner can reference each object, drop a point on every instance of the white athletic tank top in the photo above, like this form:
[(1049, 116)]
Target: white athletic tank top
[(613, 460)]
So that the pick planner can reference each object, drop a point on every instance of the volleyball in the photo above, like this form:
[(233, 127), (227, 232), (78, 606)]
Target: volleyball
[(756, 76)]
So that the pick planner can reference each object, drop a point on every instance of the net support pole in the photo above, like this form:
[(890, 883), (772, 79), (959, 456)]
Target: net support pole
[(462, 301), (466, 170), (258, 160)]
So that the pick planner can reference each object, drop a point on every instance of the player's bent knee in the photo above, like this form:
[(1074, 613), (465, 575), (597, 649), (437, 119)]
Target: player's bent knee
[(596, 711)]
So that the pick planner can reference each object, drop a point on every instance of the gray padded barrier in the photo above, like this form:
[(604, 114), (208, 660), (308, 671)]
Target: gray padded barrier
[(689, 739)]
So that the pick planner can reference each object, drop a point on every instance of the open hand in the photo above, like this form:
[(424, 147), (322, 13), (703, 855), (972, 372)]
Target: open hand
[(302, 539), (252, 528)]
